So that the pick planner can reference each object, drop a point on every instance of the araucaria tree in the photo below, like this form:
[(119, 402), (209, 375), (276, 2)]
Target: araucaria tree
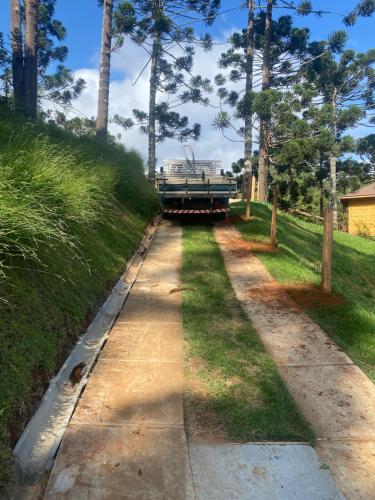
[(34, 32), (263, 125), (31, 64), (345, 88), (240, 60), (105, 70), (17, 51), (163, 28), (274, 67), (247, 104), (366, 150)]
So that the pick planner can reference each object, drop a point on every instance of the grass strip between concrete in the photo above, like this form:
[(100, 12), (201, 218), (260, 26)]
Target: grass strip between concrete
[(233, 389)]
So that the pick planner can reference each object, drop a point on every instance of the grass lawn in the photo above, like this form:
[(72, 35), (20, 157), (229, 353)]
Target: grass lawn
[(352, 324), (233, 389)]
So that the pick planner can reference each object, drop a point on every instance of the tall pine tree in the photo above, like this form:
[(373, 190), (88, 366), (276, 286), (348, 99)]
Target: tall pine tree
[(30, 80), (34, 32), (105, 70), (163, 28), (17, 52), (345, 88), (288, 51)]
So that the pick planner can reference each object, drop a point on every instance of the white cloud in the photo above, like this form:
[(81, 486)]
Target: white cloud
[(124, 97)]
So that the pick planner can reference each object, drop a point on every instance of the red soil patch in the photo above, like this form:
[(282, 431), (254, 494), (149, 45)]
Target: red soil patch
[(305, 295), (201, 422), (243, 248), (233, 219), (311, 297), (261, 247), (273, 293)]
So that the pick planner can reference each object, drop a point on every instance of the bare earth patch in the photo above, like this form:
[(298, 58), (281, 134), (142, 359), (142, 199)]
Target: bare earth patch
[(243, 248), (201, 422), (232, 219), (311, 297), (307, 296)]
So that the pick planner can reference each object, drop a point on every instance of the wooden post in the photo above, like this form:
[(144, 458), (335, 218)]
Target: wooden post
[(274, 219), (248, 196), (326, 281), (253, 187)]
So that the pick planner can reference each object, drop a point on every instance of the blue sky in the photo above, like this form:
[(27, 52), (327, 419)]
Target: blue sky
[(83, 24)]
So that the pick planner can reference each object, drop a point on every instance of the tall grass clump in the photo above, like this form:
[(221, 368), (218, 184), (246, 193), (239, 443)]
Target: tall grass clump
[(45, 191)]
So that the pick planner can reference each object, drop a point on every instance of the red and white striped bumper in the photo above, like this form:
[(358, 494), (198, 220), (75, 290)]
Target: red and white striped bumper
[(195, 211)]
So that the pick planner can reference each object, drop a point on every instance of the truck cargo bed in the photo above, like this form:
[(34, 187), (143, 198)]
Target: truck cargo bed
[(187, 189)]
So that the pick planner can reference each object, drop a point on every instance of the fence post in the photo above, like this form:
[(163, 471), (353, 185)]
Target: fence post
[(274, 219), (248, 196), (326, 280)]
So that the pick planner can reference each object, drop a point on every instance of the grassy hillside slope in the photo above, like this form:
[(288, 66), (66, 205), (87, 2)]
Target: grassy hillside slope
[(72, 212), (352, 323)]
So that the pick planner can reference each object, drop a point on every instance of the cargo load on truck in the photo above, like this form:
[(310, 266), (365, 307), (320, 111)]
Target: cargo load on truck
[(195, 187)]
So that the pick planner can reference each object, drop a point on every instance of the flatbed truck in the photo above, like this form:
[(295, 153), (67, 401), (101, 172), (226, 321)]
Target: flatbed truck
[(194, 188)]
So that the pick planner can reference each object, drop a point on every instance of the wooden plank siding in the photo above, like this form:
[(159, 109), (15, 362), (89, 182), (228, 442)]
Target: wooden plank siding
[(361, 216)]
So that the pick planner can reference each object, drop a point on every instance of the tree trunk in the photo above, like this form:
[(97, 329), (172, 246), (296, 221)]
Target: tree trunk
[(332, 164), (152, 112), (249, 51), (263, 126), (262, 172), (31, 63), (17, 53), (105, 72), (326, 273)]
